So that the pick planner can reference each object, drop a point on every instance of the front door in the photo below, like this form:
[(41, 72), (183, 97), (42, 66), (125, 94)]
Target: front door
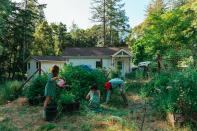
[(120, 66)]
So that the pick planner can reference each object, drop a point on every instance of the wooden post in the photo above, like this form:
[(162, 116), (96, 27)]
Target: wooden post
[(101, 63), (39, 67)]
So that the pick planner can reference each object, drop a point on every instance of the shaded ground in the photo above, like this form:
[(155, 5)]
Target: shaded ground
[(18, 115)]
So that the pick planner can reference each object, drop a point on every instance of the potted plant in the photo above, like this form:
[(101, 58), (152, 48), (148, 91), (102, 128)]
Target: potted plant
[(51, 111), (65, 101)]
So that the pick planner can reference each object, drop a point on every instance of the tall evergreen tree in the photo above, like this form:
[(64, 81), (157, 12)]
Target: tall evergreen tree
[(113, 18), (116, 18), (98, 8)]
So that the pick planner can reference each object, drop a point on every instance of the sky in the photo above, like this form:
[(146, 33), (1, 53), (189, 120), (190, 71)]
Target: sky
[(79, 12)]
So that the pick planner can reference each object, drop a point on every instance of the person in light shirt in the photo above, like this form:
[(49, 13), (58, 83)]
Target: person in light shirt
[(112, 84)]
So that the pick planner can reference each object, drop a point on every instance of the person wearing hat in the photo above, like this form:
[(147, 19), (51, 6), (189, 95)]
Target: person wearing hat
[(112, 84)]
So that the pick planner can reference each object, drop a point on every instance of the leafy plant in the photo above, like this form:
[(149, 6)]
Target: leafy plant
[(113, 72), (36, 88), (9, 91), (81, 79), (175, 92), (47, 127), (66, 98)]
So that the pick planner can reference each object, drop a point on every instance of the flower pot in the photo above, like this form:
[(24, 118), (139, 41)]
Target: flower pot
[(76, 105), (71, 107), (51, 112), (67, 107)]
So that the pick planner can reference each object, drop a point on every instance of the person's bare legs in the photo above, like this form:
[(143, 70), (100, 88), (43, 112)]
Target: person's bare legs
[(46, 102)]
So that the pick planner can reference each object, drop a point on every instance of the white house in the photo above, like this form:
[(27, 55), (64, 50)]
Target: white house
[(44, 62), (96, 57)]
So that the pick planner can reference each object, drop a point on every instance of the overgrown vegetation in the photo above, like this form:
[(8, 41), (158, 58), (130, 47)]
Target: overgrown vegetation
[(9, 91), (174, 92), (80, 80), (35, 90)]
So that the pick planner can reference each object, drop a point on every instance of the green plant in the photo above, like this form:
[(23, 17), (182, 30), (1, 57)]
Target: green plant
[(47, 127), (114, 72), (9, 91), (81, 79), (174, 92), (7, 127), (36, 88), (66, 98), (135, 75)]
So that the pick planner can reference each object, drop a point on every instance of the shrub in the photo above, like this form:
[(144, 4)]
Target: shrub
[(80, 80), (175, 92), (136, 75), (36, 88), (66, 98), (113, 72), (9, 91)]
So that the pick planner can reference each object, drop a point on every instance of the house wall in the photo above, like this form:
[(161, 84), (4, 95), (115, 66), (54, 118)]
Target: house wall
[(107, 62), (46, 65), (32, 69), (90, 62)]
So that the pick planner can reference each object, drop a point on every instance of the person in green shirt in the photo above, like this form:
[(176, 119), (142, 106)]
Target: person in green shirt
[(94, 99), (50, 88)]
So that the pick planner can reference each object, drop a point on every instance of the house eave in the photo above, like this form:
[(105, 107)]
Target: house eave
[(87, 57), (52, 61)]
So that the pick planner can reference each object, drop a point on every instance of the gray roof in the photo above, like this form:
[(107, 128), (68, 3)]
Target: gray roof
[(92, 51), (48, 58)]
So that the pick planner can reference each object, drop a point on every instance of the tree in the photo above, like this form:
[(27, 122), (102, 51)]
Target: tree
[(116, 19), (98, 8), (59, 35), (44, 40), (113, 18), (170, 34), (5, 11), (155, 6)]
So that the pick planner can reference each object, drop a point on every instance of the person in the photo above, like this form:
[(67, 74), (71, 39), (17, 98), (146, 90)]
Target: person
[(112, 84), (50, 88), (94, 98)]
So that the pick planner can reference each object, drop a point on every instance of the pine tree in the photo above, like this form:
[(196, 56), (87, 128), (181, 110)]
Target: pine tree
[(155, 6), (98, 8), (113, 18)]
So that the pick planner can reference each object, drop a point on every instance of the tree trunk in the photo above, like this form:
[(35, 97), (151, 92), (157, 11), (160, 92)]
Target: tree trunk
[(10, 66), (110, 33), (194, 58), (104, 24)]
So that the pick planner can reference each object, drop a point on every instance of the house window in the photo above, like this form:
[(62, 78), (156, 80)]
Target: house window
[(28, 65), (98, 64), (36, 65)]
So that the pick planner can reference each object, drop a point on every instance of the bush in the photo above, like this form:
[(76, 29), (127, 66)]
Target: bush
[(9, 91), (80, 80), (113, 72), (136, 75), (66, 98), (175, 92), (35, 90)]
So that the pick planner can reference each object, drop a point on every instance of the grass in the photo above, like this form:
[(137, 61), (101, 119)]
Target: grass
[(18, 115)]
